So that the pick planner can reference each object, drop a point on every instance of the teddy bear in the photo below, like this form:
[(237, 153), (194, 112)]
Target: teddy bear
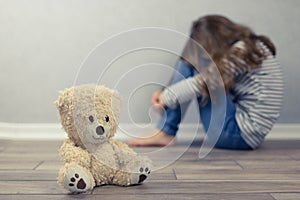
[(89, 114)]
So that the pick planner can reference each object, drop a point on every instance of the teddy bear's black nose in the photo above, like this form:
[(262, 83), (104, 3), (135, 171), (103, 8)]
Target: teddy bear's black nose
[(100, 130)]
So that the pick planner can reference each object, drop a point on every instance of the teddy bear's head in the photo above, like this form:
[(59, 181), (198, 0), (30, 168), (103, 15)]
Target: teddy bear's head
[(89, 113)]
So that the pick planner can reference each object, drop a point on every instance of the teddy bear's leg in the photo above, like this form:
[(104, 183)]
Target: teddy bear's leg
[(75, 178), (138, 169), (121, 178)]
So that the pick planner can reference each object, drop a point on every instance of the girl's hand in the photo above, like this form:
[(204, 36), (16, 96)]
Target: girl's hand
[(157, 102)]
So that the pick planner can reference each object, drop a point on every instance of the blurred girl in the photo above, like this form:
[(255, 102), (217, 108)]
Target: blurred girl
[(248, 71)]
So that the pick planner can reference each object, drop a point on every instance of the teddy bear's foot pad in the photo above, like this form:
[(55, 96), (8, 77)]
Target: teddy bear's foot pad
[(140, 174), (79, 184), (143, 176), (78, 180)]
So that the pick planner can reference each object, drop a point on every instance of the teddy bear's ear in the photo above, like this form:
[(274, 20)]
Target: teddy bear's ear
[(58, 101), (64, 98)]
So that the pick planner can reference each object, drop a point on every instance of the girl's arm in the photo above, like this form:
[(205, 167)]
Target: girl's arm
[(182, 91)]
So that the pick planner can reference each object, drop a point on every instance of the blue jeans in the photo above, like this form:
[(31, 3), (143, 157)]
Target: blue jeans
[(230, 137)]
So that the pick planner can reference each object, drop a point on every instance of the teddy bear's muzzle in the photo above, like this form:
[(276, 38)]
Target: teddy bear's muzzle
[(100, 130)]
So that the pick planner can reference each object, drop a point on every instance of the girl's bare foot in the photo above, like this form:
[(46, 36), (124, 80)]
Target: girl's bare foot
[(154, 138)]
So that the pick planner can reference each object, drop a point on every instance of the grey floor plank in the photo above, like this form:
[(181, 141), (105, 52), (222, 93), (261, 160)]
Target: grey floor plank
[(204, 187), (28, 175), (25, 157), (207, 165), (286, 196), (31, 187), (259, 175), (162, 176), (240, 155), (21, 145), (287, 165), (17, 165), (295, 154), (50, 165)]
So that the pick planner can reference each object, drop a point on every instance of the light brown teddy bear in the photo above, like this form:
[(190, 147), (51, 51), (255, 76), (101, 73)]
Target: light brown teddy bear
[(89, 114)]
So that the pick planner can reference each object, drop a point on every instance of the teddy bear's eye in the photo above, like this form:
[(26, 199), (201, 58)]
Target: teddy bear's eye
[(107, 118), (91, 118)]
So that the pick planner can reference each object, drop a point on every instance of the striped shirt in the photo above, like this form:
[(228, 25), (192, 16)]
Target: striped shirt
[(257, 93)]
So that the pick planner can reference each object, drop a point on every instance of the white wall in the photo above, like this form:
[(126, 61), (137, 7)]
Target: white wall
[(43, 43)]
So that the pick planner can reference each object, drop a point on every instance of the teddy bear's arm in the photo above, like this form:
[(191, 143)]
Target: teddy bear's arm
[(123, 146), (70, 153)]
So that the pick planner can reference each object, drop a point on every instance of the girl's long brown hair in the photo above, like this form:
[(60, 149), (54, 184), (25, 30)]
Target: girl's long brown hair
[(217, 35)]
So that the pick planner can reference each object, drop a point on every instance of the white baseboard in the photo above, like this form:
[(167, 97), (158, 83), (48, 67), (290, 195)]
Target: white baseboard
[(52, 131)]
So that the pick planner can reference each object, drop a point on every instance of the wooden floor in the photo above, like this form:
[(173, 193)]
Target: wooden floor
[(28, 170)]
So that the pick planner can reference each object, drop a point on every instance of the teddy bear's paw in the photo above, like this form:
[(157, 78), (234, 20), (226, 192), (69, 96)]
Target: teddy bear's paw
[(78, 181), (141, 173), (144, 174)]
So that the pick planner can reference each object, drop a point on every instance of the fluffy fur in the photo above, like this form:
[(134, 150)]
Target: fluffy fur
[(89, 114)]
